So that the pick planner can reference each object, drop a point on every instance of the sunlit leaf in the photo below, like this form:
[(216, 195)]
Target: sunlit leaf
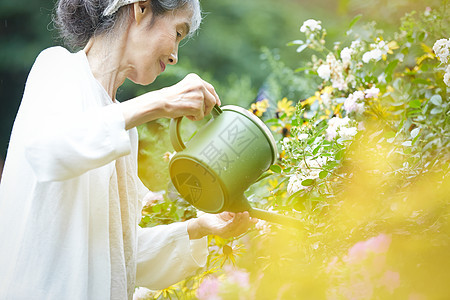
[(415, 132), (308, 182), (323, 174), (275, 169), (415, 103), (354, 20), (301, 48)]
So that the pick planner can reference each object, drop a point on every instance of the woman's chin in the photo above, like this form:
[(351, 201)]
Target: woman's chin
[(143, 81)]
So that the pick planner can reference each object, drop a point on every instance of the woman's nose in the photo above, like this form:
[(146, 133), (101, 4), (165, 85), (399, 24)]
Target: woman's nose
[(173, 58)]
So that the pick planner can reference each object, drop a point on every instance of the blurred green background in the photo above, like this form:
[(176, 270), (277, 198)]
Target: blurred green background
[(228, 50)]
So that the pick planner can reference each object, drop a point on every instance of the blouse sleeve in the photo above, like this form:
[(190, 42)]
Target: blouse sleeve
[(69, 133), (167, 256)]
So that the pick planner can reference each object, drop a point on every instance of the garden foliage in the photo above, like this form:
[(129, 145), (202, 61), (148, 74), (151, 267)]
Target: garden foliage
[(364, 164)]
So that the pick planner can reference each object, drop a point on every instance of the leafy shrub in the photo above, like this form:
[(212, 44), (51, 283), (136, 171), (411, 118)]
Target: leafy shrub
[(364, 163)]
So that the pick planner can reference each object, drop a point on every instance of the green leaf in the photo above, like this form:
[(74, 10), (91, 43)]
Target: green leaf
[(436, 100), (421, 81), (355, 19), (301, 48), (323, 174), (273, 120), (339, 154), (415, 103), (421, 36), (316, 150), (308, 182), (390, 69), (436, 110), (301, 69), (275, 169), (296, 42), (331, 164), (415, 132)]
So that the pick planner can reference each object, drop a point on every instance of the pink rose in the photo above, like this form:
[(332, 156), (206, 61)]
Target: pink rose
[(209, 289)]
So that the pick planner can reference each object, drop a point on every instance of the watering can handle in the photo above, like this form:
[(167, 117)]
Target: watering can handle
[(174, 129)]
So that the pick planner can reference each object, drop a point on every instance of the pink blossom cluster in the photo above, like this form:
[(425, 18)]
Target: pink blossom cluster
[(368, 271), (361, 250), (210, 287)]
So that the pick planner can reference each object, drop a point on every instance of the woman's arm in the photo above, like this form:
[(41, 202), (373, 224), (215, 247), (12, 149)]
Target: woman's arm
[(191, 97), (166, 255)]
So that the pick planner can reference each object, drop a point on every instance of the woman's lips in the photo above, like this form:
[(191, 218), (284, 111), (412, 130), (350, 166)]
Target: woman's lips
[(163, 66)]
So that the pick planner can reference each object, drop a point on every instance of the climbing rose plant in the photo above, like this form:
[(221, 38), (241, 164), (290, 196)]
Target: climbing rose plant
[(363, 164)]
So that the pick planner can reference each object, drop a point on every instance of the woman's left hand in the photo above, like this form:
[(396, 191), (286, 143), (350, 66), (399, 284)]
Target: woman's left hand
[(225, 225)]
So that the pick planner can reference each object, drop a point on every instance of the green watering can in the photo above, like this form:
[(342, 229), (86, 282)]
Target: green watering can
[(227, 155)]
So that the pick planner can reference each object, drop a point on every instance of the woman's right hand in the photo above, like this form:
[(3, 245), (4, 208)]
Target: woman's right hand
[(191, 97)]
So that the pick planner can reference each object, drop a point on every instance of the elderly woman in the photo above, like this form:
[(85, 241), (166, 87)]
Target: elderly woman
[(70, 195)]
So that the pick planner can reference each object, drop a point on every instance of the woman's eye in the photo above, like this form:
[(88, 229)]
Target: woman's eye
[(178, 34)]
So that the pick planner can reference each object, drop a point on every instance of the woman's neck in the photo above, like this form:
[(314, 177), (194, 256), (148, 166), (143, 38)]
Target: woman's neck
[(106, 63)]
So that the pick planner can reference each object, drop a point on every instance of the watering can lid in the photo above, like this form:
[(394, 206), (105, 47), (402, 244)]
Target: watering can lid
[(261, 125)]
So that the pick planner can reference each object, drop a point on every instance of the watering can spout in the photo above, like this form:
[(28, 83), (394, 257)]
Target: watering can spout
[(241, 204), (275, 218)]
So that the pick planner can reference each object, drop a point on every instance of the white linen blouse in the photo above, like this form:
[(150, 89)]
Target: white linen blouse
[(70, 197)]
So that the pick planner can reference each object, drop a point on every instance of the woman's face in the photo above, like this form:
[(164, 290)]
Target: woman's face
[(152, 45)]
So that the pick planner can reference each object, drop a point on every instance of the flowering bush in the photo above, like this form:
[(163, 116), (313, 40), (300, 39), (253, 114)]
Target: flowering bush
[(364, 163)]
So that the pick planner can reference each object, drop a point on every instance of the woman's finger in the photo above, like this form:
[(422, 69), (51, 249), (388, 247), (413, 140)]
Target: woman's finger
[(213, 92), (209, 102)]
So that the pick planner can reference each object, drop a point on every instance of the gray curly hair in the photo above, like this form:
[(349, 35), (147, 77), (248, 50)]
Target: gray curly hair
[(79, 20)]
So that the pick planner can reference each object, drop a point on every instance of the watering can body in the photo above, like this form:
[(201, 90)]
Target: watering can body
[(227, 155), (222, 160)]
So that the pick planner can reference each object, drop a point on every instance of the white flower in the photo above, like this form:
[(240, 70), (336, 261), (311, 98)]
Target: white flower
[(336, 69), (326, 99), (356, 46), (447, 76), (379, 49), (372, 92), (382, 45), (374, 54), (347, 133), (324, 72), (307, 169), (441, 49), (346, 55), (295, 184), (359, 95), (286, 144), (302, 136), (331, 133), (338, 122), (334, 125), (350, 104), (311, 25)]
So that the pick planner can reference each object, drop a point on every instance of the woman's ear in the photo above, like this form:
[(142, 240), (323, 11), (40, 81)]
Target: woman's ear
[(141, 8)]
